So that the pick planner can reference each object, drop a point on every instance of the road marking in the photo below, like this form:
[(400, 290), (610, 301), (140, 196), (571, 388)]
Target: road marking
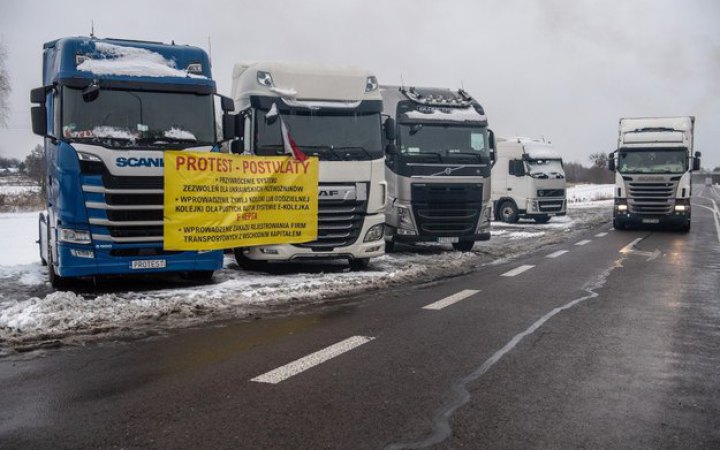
[(628, 248), (447, 301), (601, 234), (311, 360), (556, 254), (583, 242), (517, 271), (716, 213)]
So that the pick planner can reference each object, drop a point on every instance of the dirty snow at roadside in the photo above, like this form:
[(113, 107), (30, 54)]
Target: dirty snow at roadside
[(31, 312)]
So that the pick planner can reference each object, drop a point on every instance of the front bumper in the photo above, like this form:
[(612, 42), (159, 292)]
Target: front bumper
[(675, 219), (289, 252)]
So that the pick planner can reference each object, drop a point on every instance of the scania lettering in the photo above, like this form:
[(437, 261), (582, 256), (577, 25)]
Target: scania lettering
[(139, 162), (439, 154), (332, 113), (653, 172), (108, 109), (528, 181)]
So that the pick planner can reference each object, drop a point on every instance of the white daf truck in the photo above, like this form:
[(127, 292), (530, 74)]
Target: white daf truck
[(653, 165), (439, 156), (528, 181), (333, 113)]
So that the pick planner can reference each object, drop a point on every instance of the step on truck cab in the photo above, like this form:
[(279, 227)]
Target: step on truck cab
[(108, 109), (653, 165), (333, 113), (528, 181), (439, 156)]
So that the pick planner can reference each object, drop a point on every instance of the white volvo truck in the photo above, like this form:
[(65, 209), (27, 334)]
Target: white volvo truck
[(528, 181), (439, 157), (332, 112), (653, 165)]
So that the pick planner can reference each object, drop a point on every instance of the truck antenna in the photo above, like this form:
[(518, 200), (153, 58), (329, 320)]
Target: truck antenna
[(92, 29), (402, 83), (209, 48), (462, 85)]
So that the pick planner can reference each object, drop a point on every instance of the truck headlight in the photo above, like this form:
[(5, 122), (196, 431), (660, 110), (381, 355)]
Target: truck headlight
[(74, 236), (680, 208), (405, 218), (375, 233), (621, 207)]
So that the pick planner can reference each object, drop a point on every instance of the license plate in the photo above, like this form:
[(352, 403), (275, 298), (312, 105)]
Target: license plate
[(651, 221), (148, 264), (448, 240)]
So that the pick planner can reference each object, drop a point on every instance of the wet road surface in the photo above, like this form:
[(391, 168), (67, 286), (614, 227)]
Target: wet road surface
[(608, 340)]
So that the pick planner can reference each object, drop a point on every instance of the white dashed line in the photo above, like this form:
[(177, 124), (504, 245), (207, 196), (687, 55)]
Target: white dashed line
[(517, 271), (601, 235), (447, 301), (556, 254), (311, 360), (583, 242)]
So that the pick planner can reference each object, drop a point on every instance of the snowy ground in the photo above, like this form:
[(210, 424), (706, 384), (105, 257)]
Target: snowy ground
[(17, 185), (32, 314)]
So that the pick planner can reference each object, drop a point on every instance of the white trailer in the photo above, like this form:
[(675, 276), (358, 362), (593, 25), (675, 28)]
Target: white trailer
[(332, 112), (528, 180), (653, 167)]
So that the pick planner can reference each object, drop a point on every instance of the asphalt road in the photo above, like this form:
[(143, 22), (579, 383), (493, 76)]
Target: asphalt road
[(609, 340)]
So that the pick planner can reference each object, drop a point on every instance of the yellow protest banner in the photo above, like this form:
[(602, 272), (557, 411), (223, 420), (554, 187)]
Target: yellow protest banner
[(217, 201)]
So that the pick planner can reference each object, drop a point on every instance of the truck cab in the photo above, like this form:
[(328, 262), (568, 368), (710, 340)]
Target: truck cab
[(108, 110), (528, 181), (653, 172), (332, 113), (439, 153)]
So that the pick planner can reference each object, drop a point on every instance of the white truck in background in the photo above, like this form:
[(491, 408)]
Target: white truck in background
[(653, 166), (332, 112), (528, 181), (439, 155)]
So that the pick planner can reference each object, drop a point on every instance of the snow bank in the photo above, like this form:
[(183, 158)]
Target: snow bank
[(131, 61)]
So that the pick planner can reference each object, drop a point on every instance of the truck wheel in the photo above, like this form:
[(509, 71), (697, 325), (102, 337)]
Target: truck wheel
[(542, 219), (617, 225), (685, 228), (56, 281), (42, 260), (359, 264), (508, 212), (463, 246), (246, 263), (389, 246)]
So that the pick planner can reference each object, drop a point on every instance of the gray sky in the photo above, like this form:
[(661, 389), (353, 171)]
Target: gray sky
[(562, 69)]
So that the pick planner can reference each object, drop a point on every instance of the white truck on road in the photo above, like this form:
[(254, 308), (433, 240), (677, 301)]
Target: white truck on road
[(653, 165), (528, 180), (332, 112)]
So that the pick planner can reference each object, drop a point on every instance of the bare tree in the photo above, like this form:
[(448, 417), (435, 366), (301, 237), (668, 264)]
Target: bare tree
[(599, 160), (36, 168), (4, 87)]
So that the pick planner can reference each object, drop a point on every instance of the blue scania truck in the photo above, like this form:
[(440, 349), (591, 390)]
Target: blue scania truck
[(108, 110)]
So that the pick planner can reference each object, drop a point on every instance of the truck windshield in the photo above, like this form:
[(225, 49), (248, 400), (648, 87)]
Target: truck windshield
[(545, 168), (330, 137), (443, 139), (657, 161), (138, 118)]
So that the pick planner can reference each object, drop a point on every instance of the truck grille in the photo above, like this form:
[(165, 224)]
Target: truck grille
[(446, 209), (651, 198), (551, 193), (339, 224), (551, 206)]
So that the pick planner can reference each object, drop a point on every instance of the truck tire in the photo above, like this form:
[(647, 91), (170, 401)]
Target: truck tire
[(617, 225), (463, 246), (359, 264), (246, 263), (508, 212), (542, 219), (56, 281), (389, 246), (685, 228), (43, 261)]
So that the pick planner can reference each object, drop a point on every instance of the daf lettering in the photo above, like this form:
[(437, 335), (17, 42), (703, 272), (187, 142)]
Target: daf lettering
[(328, 193), (138, 162)]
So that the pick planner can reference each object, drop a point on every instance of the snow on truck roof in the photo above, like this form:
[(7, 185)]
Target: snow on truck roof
[(435, 104), (84, 57), (534, 148), (298, 83)]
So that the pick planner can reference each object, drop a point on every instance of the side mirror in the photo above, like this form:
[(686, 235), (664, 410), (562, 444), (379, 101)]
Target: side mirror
[(516, 167), (239, 125), (37, 95), (228, 122), (491, 143), (390, 130), (492, 156), (696, 161), (38, 114), (91, 92), (611, 162), (391, 149), (227, 104), (236, 147)]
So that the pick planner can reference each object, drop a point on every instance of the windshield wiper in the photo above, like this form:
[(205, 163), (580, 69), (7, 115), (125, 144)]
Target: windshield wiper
[(362, 149)]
